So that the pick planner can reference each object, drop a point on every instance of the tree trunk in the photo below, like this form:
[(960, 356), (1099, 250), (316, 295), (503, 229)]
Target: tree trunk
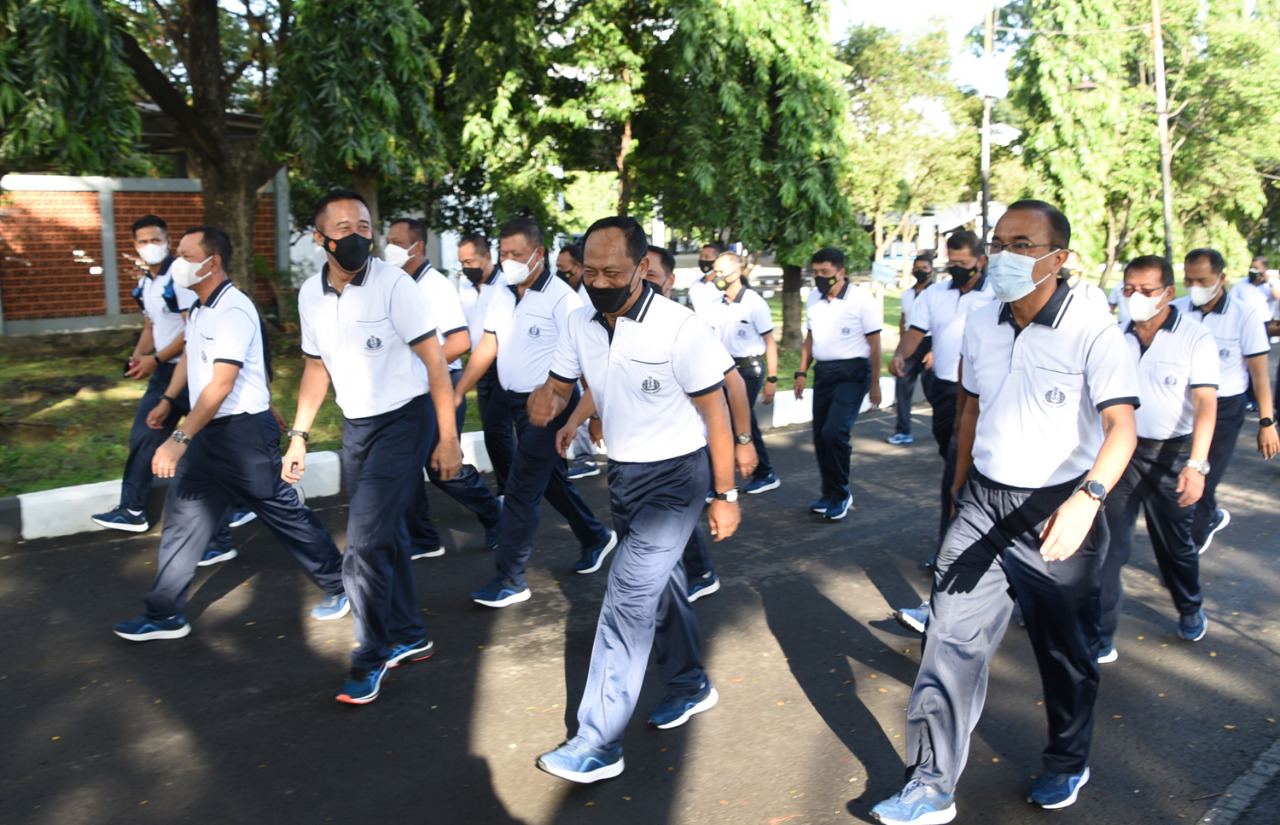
[(364, 182), (792, 337), (230, 194)]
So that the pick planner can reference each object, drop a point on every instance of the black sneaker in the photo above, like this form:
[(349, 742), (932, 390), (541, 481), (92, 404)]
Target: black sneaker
[(121, 519)]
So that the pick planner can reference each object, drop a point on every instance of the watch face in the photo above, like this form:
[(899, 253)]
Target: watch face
[(744, 438), (1095, 489)]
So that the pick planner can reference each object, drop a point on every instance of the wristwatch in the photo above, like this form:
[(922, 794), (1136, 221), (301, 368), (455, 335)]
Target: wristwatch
[(800, 374), (180, 437), (730, 496), (172, 401), (1094, 490), (1201, 467), (772, 379), (744, 438), (303, 434), (1266, 422)]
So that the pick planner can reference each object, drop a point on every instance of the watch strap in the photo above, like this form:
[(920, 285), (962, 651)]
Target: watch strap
[(303, 434), (1266, 422)]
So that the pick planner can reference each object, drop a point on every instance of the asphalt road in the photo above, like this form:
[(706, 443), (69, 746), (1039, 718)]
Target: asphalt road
[(237, 722)]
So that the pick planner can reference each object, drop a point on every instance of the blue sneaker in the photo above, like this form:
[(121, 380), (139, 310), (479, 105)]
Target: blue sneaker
[(362, 685), (674, 711), (593, 558), (121, 519), (1057, 790), (1193, 626), (1221, 518), (242, 517), (762, 484), (839, 510), (916, 804), (501, 592), (143, 629), (915, 619), (1107, 654), (412, 651), (900, 438), (214, 555), (577, 761), (583, 469), (820, 506), (334, 606), (494, 532), (704, 585), (427, 554)]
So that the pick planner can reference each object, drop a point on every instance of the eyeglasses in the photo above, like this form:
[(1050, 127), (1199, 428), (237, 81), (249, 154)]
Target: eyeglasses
[(1149, 292), (1019, 247)]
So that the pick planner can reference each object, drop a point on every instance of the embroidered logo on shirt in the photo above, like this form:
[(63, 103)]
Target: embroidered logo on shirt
[(1224, 354), (650, 385), (535, 331), (1055, 397), (374, 343), (741, 334), (1171, 380), (846, 331)]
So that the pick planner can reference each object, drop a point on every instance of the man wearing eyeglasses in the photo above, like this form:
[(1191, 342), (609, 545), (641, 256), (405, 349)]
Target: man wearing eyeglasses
[(1177, 363), (1046, 430)]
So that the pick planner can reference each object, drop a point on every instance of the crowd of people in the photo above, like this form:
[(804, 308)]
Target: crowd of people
[(1044, 408)]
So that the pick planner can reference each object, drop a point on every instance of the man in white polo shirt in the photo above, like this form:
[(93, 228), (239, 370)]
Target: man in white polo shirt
[(842, 341), (703, 293), (1243, 348), (1259, 289), (1177, 363), (526, 319), (164, 307), (1046, 431), (406, 242), (481, 281), (745, 325), (228, 448), (366, 328), (918, 364), (569, 270), (656, 380)]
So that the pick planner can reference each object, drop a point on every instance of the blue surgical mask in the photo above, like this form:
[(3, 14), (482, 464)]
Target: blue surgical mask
[(1011, 275)]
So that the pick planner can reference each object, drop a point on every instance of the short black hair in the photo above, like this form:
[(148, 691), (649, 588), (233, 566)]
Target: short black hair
[(333, 197), (666, 258), (522, 226), (151, 220), (632, 232), (716, 245), (214, 241), (416, 229), (575, 252), (1059, 226), (1216, 263), (480, 242), (1262, 258), (1152, 262), (924, 257), (829, 255), (965, 239)]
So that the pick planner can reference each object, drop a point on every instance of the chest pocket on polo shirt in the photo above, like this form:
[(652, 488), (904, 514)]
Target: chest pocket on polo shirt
[(537, 328), (648, 382), (1057, 394), (1229, 352), (1172, 376), (375, 337)]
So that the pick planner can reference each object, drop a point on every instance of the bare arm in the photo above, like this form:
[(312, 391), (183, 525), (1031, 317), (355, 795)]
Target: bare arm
[(177, 384), (1268, 441), (771, 361), (907, 344), (456, 343), (311, 393), (482, 357), (876, 362), (1204, 401), (723, 516), (806, 355), (165, 462), (966, 427), (446, 459), (740, 418)]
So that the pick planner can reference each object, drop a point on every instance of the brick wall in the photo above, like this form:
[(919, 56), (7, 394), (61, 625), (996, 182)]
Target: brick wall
[(49, 241)]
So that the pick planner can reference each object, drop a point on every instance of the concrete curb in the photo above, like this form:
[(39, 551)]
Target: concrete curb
[(65, 511)]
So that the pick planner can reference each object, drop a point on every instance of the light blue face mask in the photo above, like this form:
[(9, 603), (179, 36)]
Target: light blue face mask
[(1011, 275)]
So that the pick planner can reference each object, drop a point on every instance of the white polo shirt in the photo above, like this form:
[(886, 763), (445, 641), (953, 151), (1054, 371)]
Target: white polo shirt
[(1116, 299), (1256, 295), (528, 330), (163, 302), (908, 298), (227, 330), (1041, 390), (643, 374), (1241, 332), (703, 294), (840, 325), (364, 337), (1182, 357), (475, 303), (741, 322), (446, 306), (941, 313)]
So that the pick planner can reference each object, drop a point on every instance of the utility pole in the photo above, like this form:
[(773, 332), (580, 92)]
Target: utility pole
[(1162, 107), (987, 45)]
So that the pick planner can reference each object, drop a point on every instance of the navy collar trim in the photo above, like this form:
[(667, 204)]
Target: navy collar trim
[(538, 285), (422, 270), (164, 268), (1169, 325), (844, 290), (1050, 315), (358, 280), (1219, 308), (215, 295), (638, 310), (979, 283)]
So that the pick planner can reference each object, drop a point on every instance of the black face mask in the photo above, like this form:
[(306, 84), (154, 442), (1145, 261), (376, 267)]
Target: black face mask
[(474, 274), (609, 299), (1257, 277), (351, 252), (960, 275), (706, 266), (824, 284), (922, 275), (564, 274)]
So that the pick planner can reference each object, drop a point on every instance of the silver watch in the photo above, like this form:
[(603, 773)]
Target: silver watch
[(730, 496), (180, 437), (1201, 467), (743, 439)]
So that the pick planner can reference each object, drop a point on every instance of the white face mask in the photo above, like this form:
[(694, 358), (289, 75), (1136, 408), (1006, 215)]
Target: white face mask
[(397, 255), (184, 272), (153, 254), (1010, 275), (517, 272), (1142, 308), (1201, 295)]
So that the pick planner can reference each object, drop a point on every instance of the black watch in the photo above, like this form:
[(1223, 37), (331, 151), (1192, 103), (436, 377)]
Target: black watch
[(1094, 490), (729, 495), (303, 434), (800, 374), (772, 379), (1266, 422), (172, 401)]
